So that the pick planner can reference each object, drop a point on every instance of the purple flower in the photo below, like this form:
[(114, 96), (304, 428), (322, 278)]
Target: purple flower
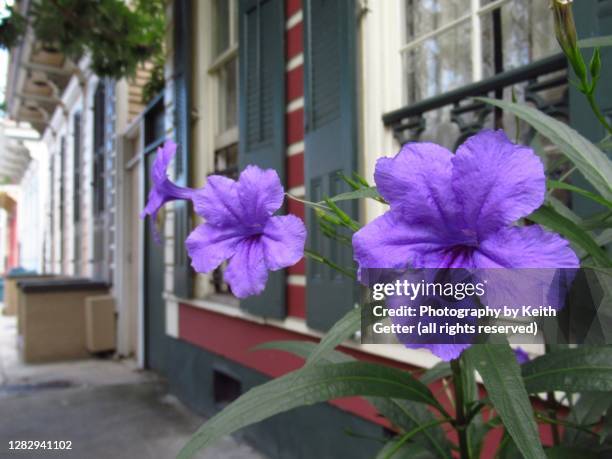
[(240, 227), (163, 190), (521, 356), (457, 211)]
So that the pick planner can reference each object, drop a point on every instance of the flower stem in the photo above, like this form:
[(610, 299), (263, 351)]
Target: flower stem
[(461, 422), (596, 110)]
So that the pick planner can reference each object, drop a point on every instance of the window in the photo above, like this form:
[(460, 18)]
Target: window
[(76, 161), (98, 174), (450, 43), (224, 72), (224, 69)]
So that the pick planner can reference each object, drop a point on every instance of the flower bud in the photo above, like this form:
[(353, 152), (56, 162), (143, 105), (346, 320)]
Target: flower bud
[(595, 66), (565, 31)]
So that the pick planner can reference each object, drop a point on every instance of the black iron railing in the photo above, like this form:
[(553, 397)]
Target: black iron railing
[(409, 123)]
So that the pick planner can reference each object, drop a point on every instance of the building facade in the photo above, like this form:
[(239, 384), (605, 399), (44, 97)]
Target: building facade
[(68, 193), (314, 88)]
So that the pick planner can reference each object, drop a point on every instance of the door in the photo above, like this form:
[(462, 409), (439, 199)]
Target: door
[(154, 304)]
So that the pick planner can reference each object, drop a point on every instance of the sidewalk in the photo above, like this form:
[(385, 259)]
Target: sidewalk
[(108, 409)]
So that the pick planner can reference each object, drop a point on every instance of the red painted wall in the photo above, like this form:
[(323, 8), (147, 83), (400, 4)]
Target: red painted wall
[(294, 122)]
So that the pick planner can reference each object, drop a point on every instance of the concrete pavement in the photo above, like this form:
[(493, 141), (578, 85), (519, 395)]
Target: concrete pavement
[(106, 408)]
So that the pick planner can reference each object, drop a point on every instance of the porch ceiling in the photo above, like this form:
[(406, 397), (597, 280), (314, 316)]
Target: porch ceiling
[(14, 160), (38, 75)]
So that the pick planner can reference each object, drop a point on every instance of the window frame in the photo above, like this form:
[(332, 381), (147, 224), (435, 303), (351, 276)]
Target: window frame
[(474, 17), (217, 62)]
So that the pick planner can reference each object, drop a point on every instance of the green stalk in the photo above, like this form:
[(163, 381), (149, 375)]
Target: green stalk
[(596, 110), (407, 436), (321, 259), (461, 421)]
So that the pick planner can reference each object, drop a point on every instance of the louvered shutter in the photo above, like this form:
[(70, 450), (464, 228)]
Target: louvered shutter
[(262, 115), (182, 94), (330, 146), (593, 19)]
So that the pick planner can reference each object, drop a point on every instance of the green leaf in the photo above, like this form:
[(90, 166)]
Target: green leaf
[(587, 194), (589, 409), (604, 238), (305, 349), (404, 414), (307, 386), (595, 42), (564, 452), (592, 162), (565, 211), (550, 218), (408, 416), (501, 376), (438, 371), (340, 332), (370, 192), (570, 370), (406, 451)]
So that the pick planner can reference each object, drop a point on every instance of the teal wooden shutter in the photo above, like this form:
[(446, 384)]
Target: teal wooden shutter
[(330, 146), (262, 115), (593, 19), (182, 97)]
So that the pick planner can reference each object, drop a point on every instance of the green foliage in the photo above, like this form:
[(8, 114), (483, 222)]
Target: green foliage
[(588, 159), (501, 375), (547, 216), (596, 42), (585, 369), (12, 28), (116, 37), (312, 384)]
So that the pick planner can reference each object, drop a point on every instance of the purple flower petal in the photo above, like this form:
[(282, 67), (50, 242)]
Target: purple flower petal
[(445, 352), (162, 190), (218, 201), (521, 356), (165, 154), (417, 182), (390, 242), (525, 247), (283, 241), (496, 182), (208, 246), (246, 272), (261, 194)]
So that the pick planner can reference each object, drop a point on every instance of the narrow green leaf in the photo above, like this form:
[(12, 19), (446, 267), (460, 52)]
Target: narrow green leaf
[(307, 386), (565, 452), (604, 238), (552, 184), (304, 349), (370, 192), (404, 414), (438, 371), (500, 373), (595, 42), (408, 416), (589, 409), (326, 261), (340, 332), (406, 451), (600, 220), (565, 211), (570, 370), (550, 218), (592, 162)]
